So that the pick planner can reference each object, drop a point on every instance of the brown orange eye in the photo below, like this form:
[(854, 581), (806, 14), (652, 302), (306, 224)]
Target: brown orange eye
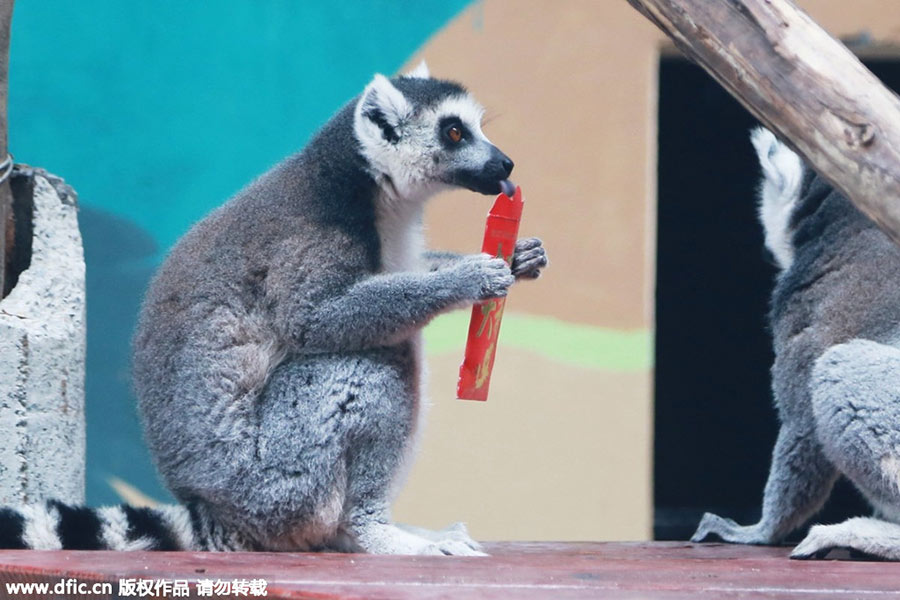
[(455, 134)]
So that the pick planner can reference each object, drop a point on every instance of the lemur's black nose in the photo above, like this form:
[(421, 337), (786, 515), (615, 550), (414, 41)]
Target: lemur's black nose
[(501, 160), (491, 177)]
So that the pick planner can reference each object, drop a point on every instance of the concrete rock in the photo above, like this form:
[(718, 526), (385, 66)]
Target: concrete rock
[(42, 349)]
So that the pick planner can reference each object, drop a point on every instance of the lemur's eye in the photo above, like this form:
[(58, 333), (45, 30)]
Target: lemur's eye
[(454, 133)]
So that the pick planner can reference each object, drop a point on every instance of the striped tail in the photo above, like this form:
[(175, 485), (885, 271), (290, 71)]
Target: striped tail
[(57, 526)]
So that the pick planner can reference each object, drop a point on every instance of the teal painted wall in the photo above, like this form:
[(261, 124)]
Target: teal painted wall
[(156, 112)]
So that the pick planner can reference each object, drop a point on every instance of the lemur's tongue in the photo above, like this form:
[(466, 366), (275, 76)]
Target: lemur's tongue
[(508, 187)]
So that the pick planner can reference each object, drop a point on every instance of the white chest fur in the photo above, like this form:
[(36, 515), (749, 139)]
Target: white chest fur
[(400, 230)]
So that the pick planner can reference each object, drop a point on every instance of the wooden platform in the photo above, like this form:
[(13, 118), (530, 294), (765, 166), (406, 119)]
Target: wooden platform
[(515, 570)]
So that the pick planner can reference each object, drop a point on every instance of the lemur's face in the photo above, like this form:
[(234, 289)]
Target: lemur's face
[(421, 134)]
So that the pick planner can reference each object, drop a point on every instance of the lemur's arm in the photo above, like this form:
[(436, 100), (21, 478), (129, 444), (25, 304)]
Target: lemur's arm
[(439, 259), (528, 260), (383, 309)]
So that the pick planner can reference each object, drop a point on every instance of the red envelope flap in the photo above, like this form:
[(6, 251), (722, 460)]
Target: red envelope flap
[(508, 208)]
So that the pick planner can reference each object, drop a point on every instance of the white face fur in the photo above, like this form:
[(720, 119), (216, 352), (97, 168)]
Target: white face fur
[(402, 142)]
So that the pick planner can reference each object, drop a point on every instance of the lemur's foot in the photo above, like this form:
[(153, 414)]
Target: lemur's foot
[(820, 540), (454, 533), (385, 538), (714, 526), (529, 258), (870, 538)]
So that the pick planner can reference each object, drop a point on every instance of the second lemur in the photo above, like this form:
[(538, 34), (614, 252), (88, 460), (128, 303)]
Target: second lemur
[(835, 320)]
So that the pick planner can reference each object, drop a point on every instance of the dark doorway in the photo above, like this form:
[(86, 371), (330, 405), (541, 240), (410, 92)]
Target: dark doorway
[(715, 423)]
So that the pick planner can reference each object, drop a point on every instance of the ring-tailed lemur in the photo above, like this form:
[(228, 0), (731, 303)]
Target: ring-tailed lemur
[(835, 320), (277, 360)]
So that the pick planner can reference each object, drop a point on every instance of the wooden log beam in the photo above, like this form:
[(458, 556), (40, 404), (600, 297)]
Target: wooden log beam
[(801, 83)]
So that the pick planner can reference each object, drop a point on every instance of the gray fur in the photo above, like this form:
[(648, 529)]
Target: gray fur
[(277, 360), (835, 313)]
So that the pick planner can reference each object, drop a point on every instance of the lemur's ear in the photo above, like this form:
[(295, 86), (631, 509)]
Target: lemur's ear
[(381, 110), (420, 72)]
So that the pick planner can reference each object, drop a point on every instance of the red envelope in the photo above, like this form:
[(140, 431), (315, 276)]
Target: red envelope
[(500, 237)]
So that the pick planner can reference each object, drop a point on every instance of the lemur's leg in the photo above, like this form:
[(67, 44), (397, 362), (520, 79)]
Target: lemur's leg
[(800, 480), (856, 404), (368, 522), (331, 435), (378, 535), (377, 446), (286, 486)]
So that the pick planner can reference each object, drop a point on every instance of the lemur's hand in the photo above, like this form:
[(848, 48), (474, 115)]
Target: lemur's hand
[(529, 258), (484, 276)]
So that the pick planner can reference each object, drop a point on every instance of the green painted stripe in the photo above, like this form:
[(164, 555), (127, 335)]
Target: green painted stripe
[(570, 343)]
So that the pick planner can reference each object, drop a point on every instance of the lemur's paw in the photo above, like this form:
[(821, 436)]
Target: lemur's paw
[(383, 538), (459, 532), (864, 537), (820, 540), (489, 277), (455, 548), (456, 533), (714, 527), (529, 258)]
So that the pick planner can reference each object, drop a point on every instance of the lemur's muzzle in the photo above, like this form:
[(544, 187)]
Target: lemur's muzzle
[(493, 177)]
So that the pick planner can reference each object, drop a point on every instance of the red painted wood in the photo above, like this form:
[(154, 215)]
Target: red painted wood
[(514, 570)]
